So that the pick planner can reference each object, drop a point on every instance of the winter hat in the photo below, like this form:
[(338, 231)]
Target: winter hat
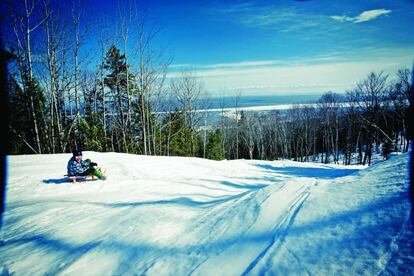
[(77, 152)]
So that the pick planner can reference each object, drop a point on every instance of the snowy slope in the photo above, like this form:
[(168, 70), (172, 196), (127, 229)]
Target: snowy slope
[(180, 216)]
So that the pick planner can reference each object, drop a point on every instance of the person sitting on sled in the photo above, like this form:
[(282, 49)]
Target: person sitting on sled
[(78, 167)]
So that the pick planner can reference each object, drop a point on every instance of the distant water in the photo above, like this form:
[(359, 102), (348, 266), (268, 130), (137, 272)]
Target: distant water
[(250, 101), (247, 101)]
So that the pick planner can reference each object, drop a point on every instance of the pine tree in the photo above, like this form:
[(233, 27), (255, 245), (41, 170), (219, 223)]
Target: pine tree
[(180, 136), (214, 149), (92, 135), (21, 121), (116, 80), (182, 139)]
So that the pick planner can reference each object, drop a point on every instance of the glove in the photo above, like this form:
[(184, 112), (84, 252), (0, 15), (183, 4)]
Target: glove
[(93, 164)]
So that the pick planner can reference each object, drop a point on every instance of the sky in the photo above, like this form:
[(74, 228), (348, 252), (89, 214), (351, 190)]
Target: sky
[(276, 47), (284, 47)]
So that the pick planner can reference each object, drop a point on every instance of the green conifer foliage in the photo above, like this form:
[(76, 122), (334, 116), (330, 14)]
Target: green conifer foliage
[(214, 150)]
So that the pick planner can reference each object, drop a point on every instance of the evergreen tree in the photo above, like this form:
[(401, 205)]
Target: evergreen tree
[(181, 136), (21, 121), (214, 149), (115, 64), (116, 80), (92, 134)]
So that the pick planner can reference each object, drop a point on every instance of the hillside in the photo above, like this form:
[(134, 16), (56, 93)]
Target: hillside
[(180, 216)]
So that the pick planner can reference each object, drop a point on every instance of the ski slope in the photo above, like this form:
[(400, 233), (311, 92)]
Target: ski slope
[(181, 216)]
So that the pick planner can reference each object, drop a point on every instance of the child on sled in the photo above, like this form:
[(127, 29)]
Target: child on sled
[(78, 167)]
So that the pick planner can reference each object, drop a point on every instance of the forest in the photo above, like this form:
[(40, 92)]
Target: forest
[(114, 94)]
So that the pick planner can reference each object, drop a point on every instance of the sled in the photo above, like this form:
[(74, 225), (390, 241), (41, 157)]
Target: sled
[(81, 178)]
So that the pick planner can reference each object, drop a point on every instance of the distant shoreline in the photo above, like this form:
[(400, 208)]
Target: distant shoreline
[(258, 108), (261, 100), (250, 103)]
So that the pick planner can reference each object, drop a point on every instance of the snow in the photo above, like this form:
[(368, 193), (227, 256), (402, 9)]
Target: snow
[(180, 216), (230, 112)]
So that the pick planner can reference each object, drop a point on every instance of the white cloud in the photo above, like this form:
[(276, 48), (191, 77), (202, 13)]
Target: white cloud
[(270, 17), (362, 17), (370, 15), (243, 64), (342, 18), (313, 75)]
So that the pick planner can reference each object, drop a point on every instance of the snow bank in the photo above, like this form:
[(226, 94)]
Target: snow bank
[(174, 215)]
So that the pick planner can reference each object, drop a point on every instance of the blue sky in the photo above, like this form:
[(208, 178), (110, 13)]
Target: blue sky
[(276, 47), (287, 47)]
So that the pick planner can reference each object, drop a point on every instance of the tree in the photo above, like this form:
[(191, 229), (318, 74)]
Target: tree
[(181, 136), (21, 121), (188, 91), (26, 20), (116, 80), (329, 113), (214, 150), (150, 77), (247, 133), (56, 83), (104, 43), (399, 96), (91, 134)]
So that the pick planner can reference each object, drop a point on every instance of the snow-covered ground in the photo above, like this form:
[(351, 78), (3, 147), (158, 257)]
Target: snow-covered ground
[(181, 216)]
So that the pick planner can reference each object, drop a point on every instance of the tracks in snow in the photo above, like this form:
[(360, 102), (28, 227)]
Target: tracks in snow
[(265, 260), (254, 251)]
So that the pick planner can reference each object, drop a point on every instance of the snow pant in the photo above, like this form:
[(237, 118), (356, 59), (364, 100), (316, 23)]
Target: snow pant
[(93, 171)]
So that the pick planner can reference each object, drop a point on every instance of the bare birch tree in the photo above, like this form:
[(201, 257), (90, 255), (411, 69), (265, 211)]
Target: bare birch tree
[(188, 90), (25, 22)]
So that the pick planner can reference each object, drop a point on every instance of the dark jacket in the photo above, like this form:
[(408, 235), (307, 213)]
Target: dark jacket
[(75, 168)]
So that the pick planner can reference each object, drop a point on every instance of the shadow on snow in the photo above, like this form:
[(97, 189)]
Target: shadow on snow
[(372, 231), (321, 173), (57, 180)]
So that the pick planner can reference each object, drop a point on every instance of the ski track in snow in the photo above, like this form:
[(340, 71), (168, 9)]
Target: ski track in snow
[(265, 257), (181, 216)]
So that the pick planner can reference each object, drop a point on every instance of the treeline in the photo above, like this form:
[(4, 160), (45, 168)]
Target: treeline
[(113, 95), (346, 129)]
